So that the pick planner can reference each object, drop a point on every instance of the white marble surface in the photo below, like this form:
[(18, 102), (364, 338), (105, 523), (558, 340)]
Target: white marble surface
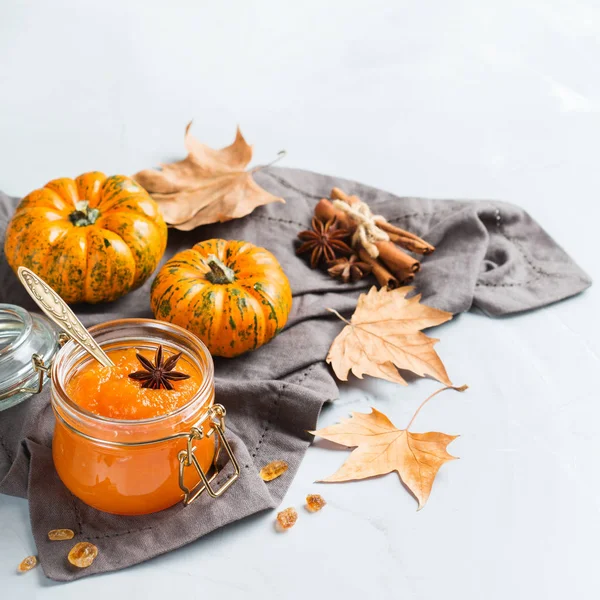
[(450, 99)]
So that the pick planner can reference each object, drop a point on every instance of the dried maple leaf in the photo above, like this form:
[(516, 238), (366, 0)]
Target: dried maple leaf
[(384, 335), (208, 186), (382, 448)]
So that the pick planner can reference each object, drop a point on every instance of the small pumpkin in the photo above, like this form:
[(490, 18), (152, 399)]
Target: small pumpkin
[(233, 295), (93, 239)]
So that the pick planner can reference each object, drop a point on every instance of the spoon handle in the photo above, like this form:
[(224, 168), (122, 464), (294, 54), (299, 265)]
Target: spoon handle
[(57, 310)]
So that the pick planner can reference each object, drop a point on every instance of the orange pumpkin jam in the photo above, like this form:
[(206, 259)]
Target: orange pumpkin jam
[(109, 392), (127, 468)]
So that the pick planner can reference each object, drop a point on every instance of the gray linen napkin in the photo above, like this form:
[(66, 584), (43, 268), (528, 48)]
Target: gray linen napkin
[(490, 255)]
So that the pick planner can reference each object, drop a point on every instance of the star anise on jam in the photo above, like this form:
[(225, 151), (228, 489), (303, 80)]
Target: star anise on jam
[(349, 269), (324, 241), (160, 374)]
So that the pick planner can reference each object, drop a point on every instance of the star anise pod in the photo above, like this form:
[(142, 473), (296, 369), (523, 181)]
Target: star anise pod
[(159, 374), (324, 241), (348, 269)]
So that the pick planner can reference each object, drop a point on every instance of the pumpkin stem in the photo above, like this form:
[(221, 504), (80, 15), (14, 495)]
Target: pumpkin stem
[(219, 273), (83, 215)]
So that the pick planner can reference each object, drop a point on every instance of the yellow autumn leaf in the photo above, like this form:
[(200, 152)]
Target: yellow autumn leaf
[(381, 448), (384, 335), (208, 186)]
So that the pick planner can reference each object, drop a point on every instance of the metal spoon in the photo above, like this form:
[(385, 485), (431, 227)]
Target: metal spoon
[(57, 310)]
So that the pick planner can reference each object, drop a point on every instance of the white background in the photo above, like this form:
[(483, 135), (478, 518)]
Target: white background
[(466, 99)]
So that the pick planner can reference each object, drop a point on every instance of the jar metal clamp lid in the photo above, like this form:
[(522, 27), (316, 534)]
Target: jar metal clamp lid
[(28, 343)]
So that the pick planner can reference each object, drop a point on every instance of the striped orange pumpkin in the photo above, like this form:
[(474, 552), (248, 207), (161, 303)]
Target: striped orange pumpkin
[(93, 239), (233, 295)]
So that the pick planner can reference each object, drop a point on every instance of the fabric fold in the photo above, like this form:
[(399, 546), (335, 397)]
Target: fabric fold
[(489, 255)]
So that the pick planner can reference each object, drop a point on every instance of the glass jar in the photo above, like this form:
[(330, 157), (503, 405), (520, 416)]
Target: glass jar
[(134, 467), (28, 343)]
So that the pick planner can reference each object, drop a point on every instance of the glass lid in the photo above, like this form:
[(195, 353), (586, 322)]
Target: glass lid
[(23, 336)]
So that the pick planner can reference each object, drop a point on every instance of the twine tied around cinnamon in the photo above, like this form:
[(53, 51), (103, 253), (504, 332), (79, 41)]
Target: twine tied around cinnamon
[(367, 231), (375, 240)]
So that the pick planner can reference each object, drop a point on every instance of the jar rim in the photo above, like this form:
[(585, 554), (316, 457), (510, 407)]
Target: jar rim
[(192, 339), (25, 318)]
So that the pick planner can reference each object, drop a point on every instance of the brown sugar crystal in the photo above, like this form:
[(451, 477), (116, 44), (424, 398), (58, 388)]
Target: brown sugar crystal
[(27, 564), (273, 470), (82, 555), (58, 535), (287, 518), (314, 502)]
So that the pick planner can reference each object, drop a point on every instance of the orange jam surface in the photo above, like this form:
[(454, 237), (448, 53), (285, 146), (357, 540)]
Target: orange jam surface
[(109, 391)]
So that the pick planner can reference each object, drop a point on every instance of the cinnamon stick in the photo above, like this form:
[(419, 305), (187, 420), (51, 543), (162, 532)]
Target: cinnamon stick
[(338, 194), (326, 211), (383, 276), (396, 260), (408, 240), (408, 278), (410, 244)]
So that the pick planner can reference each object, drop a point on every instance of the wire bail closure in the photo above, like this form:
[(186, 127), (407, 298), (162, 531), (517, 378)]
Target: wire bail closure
[(40, 368), (187, 458), (216, 416)]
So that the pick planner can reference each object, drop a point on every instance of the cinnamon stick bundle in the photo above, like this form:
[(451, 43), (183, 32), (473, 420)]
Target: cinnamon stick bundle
[(403, 238), (392, 266)]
